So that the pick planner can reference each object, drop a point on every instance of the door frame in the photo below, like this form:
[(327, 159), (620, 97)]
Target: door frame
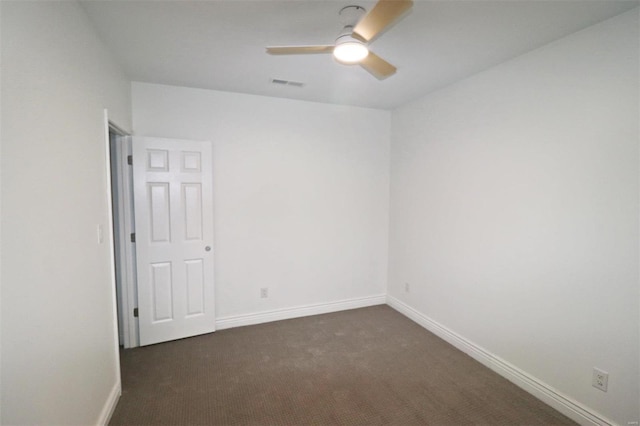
[(121, 227)]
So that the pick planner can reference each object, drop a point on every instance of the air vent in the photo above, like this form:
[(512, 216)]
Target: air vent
[(281, 82)]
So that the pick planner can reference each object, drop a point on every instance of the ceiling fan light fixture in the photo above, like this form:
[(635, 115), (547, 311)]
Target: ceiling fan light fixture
[(349, 50)]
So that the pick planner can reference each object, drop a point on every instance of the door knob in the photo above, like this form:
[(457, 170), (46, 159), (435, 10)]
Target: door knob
[(207, 248)]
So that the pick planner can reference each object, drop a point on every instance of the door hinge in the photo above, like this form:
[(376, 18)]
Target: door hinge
[(129, 159), (135, 312), (133, 237)]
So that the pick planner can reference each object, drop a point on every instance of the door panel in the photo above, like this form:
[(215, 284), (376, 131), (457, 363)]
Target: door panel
[(173, 203), (192, 204), (159, 215), (161, 292), (195, 287)]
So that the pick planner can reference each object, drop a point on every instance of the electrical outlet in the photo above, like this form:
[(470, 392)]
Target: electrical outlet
[(600, 379), (407, 289), (264, 292)]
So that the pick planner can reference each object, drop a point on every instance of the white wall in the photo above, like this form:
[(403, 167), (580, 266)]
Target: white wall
[(59, 359), (300, 193), (514, 212)]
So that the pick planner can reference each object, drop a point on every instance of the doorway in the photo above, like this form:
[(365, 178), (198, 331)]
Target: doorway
[(164, 283), (123, 228)]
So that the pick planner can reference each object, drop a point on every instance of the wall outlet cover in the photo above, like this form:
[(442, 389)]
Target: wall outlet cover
[(600, 379)]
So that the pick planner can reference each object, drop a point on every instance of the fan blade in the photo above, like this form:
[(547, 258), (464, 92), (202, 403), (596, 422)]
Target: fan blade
[(377, 66), (298, 50), (380, 17)]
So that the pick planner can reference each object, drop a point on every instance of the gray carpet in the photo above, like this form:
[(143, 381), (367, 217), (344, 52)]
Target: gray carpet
[(368, 366)]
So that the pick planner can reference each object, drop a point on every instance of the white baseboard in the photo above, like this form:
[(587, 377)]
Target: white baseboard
[(298, 311), (110, 404), (537, 388)]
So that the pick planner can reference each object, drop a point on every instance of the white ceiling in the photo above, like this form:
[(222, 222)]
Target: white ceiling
[(221, 44)]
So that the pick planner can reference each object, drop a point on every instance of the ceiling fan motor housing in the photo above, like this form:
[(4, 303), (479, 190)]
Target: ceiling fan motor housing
[(351, 15), (350, 50)]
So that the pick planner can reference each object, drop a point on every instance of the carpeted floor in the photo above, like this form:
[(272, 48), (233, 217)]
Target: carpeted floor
[(368, 366)]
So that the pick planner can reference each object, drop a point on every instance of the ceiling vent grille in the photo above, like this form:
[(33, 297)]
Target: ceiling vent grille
[(281, 82)]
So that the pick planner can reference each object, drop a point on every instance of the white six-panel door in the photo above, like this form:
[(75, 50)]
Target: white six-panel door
[(173, 202)]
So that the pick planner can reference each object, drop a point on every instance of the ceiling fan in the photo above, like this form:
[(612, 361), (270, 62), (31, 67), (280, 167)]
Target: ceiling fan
[(351, 46)]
